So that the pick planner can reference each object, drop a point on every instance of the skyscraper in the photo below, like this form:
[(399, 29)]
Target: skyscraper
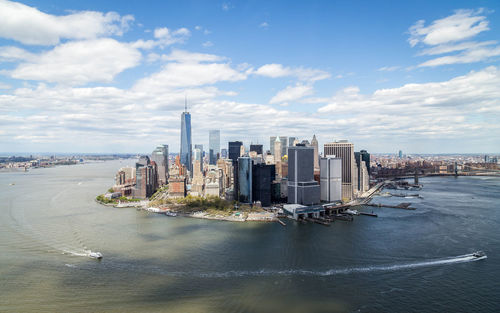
[(344, 150), (284, 145), (400, 154), (200, 147), (245, 179), (234, 148), (272, 140), (262, 179), (314, 144), (277, 150), (290, 141), (213, 145), (302, 188), (256, 148), (160, 157), (186, 147)]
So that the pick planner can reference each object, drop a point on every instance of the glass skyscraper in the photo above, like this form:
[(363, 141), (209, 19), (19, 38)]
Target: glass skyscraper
[(186, 147), (213, 145)]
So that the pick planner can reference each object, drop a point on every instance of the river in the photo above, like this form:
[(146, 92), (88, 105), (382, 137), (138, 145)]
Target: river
[(402, 261)]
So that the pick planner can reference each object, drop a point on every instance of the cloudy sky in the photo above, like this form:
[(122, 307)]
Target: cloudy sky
[(111, 76)]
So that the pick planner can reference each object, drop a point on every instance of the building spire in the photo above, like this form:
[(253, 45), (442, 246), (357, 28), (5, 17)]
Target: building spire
[(185, 103)]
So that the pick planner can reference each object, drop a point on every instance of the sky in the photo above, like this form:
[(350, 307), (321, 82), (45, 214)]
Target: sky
[(112, 76)]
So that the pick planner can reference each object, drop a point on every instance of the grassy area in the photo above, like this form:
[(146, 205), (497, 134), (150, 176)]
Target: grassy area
[(102, 199)]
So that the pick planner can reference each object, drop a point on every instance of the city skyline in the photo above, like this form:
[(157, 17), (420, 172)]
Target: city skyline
[(422, 77)]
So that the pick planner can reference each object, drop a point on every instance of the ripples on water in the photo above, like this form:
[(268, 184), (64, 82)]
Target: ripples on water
[(402, 261)]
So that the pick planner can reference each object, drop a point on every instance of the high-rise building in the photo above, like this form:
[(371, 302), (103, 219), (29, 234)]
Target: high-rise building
[(160, 157), (186, 147), (213, 146), (331, 179), (291, 140), (344, 150), (314, 144), (302, 188), (146, 178), (277, 150), (400, 154), (245, 179), (234, 148), (200, 147), (272, 140), (284, 145), (256, 148), (262, 179), (223, 153)]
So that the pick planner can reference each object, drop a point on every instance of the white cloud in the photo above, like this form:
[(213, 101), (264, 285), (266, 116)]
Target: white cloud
[(305, 74), (31, 26), (388, 68), (207, 44), (464, 24), (226, 6), (448, 35), (292, 93), (79, 62), (468, 56), (264, 25), (10, 54), (187, 69)]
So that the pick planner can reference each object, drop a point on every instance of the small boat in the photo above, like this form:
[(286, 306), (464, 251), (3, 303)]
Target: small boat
[(170, 213), (352, 212), (478, 254), (95, 255), (153, 210)]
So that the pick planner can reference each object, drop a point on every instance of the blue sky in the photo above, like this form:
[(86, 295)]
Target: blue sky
[(95, 76)]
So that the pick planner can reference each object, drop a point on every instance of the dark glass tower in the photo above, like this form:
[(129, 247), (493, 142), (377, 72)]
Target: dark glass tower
[(186, 147), (214, 145)]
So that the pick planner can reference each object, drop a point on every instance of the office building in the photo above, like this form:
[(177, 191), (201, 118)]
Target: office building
[(277, 151), (201, 155), (256, 148), (331, 179), (363, 170), (314, 144), (291, 140), (245, 179), (400, 154), (262, 179), (223, 153), (160, 157), (272, 140), (186, 147), (344, 150), (302, 188), (146, 178), (234, 149), (213, 146), (284, 145)]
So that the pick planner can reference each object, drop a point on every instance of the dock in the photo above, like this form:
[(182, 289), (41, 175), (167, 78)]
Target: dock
[(368, 214), (281, 222), (404, 206)]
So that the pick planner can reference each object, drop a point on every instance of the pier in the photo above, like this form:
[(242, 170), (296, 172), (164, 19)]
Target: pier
[(404, 206)]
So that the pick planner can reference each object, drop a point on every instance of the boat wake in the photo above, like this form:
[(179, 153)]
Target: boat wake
[(344, 271)]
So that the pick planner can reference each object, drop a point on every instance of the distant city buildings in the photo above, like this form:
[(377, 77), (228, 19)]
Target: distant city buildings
[(160, 157)]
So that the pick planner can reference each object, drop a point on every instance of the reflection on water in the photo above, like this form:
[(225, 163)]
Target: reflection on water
[(401, 261)]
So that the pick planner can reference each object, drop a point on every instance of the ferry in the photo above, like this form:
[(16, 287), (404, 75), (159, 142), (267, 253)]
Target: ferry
[(95, 255)]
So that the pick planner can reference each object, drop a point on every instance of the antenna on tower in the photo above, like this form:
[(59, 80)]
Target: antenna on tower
[(185, 103)]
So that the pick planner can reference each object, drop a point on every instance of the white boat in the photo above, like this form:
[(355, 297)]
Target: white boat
[(478, 254), (169, 213), (95, 255), (154, 210), (352, 212)]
